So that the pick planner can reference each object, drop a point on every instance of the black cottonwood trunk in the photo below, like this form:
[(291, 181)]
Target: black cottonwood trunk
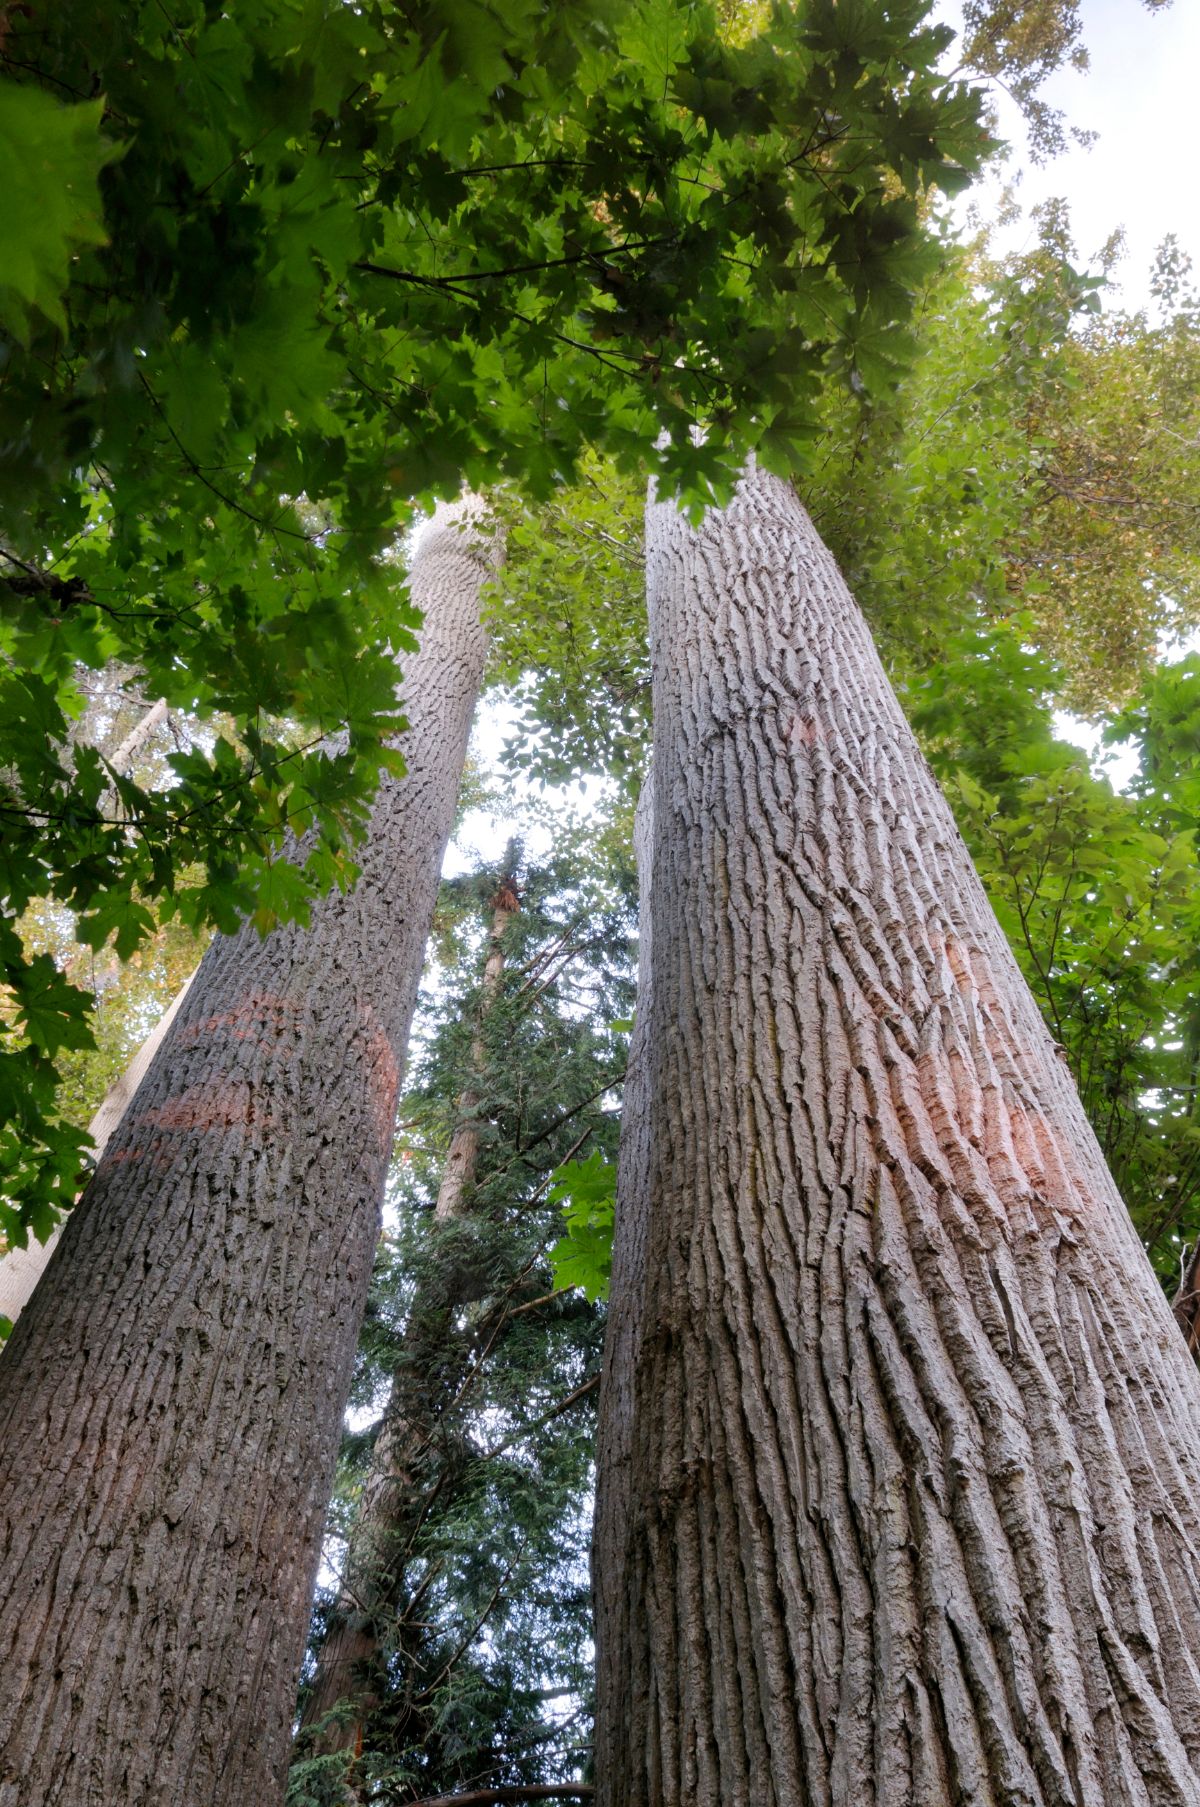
[(171, 1399), (899, 1499)]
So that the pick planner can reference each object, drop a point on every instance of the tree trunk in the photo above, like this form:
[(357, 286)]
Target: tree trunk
[(458, 1175), (171, 1400), (21, 1269), (914, 1457), (398, 1480)]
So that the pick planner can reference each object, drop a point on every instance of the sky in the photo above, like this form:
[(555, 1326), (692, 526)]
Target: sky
[(1139, 95)]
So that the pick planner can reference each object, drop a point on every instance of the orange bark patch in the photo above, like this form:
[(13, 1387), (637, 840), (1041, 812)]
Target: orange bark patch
[(258, 1011), (383, 1079), (804, 731), (213, 1104)]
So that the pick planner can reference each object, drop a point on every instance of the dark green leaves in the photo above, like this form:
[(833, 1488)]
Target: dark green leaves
[(307, 263), (51, 156)]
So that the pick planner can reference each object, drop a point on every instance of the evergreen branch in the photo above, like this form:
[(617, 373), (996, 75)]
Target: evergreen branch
[(556, 1411), (532, 1791)]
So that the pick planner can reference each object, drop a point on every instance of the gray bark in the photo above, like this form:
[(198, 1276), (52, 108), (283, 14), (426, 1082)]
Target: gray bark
[(171, 1399), (912, 1496), (21, 1269), (462, 1157)]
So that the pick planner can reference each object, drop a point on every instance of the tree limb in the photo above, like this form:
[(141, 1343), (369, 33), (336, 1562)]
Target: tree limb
[(535, 1791)]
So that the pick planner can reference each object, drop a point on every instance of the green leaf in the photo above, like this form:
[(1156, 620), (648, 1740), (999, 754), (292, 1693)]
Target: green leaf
[(51, 156), (52, 1010), (586, 1192)]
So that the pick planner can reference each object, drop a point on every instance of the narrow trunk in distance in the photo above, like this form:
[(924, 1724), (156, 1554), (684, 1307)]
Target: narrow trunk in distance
[(345, 1689), (910, 1506), (171, 1399)]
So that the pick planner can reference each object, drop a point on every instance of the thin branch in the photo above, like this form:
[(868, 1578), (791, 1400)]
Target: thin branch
[(600, 255), (532, 1791), (536, 1424)]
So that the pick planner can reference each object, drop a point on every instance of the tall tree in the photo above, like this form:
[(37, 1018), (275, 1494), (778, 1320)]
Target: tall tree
[(462, 1605), (910, 1512), (171, 1400), (273, 271)]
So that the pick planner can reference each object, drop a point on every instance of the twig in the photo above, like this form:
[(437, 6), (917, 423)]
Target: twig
[(533, 1791)]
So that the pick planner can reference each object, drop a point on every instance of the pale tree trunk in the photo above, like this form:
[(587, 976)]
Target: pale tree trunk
[(138, 735), (462, 1157), (914, 1442), (171, 1399), (345, 1689), (21, 1269)]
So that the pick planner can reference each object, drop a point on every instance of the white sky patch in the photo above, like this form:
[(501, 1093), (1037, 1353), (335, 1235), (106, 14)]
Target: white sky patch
[(524, 807), (1140, 96)]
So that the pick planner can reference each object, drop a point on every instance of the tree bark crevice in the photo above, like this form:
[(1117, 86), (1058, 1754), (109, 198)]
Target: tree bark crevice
[(905, 1504), (171, 1398)]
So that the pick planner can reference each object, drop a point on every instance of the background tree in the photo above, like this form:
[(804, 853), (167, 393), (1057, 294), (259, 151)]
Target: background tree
[(454, 1653)]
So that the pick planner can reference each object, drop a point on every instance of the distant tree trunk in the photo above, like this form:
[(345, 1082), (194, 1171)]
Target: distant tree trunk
[(397, 1483), (913, 1440), (138, 735), (171, 1399), (21, 1269), (462, 1157)]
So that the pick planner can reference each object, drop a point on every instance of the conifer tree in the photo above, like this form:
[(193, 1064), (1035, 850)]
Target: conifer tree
[(453, 1653)]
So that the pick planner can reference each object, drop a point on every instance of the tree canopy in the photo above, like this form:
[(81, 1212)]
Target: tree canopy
[(286, 269)]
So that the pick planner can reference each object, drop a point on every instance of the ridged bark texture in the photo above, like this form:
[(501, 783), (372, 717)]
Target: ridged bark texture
[(171, 1400), (396, 1490), (21, 1269), (914, 1441)]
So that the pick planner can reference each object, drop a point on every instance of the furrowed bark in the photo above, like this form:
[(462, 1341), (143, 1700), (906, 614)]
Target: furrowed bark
[(171, 1399), (21, 1269), (345, 1690), (912, 1511)]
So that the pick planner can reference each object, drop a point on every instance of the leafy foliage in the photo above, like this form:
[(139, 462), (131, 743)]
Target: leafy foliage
[(1018, 45), (1039, 460), (50, 161), (486, 1636), (348, 258), (586, 1192)]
